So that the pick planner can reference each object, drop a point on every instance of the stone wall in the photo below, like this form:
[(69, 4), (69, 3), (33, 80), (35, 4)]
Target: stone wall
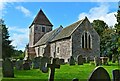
[(61, 49), (77, 41), (40, 50)]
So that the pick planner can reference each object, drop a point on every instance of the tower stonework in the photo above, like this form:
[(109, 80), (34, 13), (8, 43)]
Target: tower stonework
[(38, 28)]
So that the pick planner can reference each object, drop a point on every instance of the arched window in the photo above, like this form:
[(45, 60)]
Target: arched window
[(83, 41), (90, 42), (86, 40)]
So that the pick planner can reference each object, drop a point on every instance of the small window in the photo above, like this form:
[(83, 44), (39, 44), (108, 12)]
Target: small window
[(58, 50), (43, 29)]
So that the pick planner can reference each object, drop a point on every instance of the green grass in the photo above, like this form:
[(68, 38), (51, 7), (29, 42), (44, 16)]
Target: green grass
[(66, 72)]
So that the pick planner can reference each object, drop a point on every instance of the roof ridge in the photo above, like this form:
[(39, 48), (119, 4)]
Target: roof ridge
[(68, 30)]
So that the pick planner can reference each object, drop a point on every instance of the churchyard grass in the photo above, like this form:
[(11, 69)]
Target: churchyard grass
[(65, 72)]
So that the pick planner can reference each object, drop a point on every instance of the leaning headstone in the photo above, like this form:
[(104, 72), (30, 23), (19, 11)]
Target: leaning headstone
[(80, 60), (26, 65), (113, 58), (36, 63), (71, 61), (43, 65), (7, 68), (19, 64), (99, 74), (116, 75), (52, 69)]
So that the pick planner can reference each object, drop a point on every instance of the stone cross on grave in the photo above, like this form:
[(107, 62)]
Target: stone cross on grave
[(52, 69)]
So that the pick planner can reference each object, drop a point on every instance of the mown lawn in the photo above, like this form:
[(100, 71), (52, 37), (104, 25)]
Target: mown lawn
[(66, 72)]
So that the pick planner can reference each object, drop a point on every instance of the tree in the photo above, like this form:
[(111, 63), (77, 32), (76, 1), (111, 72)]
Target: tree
[(117, 26), (7, 48), (100, 26)]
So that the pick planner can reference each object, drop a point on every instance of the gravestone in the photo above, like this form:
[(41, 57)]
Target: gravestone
[(13, 62), (99, 74), (7, 68), (97, 61), (116, 75), (57, 61), (87, 59), (84, 60), (36, 62), (43, 64), (113, 58), (19, 64), (80, 60), (26, 65), (62, 61), (71, 61), (52, 69), (104, 60)]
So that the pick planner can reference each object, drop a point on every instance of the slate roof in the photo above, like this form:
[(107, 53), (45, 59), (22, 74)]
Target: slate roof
[(64, 33), (67, 31), (47, 37), (41, 19)]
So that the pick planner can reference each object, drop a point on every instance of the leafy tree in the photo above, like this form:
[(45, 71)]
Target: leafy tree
[(18, 54), (117, 35), (100, 26), (109, 42), (7, 48)]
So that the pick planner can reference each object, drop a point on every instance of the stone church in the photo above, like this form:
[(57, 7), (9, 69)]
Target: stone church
[(77, 38)]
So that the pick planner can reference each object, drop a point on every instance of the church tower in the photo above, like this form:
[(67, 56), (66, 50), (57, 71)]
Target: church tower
[(38, 28)]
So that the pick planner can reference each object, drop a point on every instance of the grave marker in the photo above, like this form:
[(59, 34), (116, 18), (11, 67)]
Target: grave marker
[(19, 64), (87, 59), (71, 61), (26, 65), (99, 74), (7, 68), (62, 61), (36, 63), (52, 69), (97, 61), (80, 60), (43, 64), (116, 75)]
